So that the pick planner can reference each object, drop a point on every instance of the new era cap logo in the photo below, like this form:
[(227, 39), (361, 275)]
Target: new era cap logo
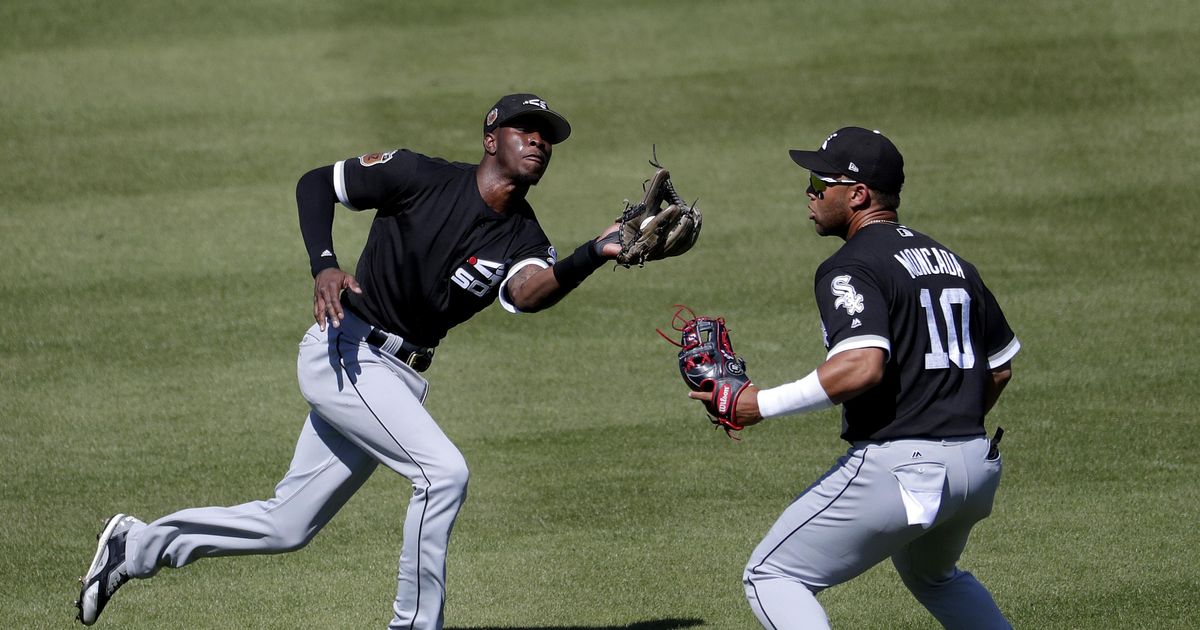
[(853, 167)]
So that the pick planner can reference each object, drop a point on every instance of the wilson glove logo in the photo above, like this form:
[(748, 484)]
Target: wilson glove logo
[(724, 397), (479, 276), (847, 297)]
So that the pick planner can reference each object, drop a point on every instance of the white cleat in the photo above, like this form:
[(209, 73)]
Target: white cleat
[(108, 571)]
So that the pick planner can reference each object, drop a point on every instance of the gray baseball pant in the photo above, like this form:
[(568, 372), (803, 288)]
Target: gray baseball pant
[(366, 410), (914, 501)]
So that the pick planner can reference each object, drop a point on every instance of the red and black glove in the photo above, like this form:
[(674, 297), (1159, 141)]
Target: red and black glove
[(708, 363)]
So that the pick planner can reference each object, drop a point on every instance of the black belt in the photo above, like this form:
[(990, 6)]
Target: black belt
[(416, 357)]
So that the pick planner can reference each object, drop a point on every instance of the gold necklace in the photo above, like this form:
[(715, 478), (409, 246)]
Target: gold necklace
[(874, 221)]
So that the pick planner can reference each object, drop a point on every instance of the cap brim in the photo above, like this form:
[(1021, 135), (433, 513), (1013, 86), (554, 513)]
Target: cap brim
[(559, 127), (812, 161)]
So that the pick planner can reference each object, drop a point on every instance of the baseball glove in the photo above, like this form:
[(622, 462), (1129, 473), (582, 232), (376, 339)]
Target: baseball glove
[(659, 226), (708, 363)]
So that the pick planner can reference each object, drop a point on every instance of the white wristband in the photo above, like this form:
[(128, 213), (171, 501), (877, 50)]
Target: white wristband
[(803, 395)]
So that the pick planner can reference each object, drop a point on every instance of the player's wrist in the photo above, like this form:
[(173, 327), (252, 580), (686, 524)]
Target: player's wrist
[(321, 264), (800, 396), (612, 238), (748, 410), (571, 271)]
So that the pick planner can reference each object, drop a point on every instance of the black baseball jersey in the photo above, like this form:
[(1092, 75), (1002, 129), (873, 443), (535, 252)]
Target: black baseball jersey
[(436, 253), (894, 288)]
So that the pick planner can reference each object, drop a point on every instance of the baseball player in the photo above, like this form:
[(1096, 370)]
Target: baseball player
[(918, 352), (447, 240)]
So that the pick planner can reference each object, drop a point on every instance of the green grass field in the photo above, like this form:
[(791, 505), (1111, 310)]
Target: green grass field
[(155, 286)]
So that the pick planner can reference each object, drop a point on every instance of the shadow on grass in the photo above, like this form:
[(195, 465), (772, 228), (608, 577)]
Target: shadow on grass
[(658, 624)]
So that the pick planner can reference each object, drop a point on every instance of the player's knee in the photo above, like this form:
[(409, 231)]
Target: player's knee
[(455, 479), (756, 572), (290, 535), (748, 576), (451, 475), (923, 581), (758, 575)]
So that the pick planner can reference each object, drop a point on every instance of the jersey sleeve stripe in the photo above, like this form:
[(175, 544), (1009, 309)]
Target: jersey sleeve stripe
[(509, 306), (864, 341), (1005, 354), (339, 184)]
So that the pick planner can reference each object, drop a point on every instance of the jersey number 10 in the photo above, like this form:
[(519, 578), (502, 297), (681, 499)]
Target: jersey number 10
[(960, 354)]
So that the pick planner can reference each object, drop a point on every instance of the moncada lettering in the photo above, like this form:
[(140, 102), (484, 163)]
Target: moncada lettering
[(924, 261)]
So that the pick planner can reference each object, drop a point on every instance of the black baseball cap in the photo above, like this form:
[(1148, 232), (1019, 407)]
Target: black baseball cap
[(514, 105), (861, 154)]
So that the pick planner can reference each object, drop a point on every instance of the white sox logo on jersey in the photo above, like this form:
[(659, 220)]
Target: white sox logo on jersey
[(847, 297), (479, 276)]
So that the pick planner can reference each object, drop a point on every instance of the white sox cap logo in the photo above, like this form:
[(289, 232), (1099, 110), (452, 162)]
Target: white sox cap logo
[(847, 297), (536, 102)]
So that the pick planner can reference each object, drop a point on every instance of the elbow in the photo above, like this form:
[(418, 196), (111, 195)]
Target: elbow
[(536, 305), (525, 302), (530, 307), (318, 181), (870, 366), (1002, 375), (853, 372), (874, 375), (870, 374)]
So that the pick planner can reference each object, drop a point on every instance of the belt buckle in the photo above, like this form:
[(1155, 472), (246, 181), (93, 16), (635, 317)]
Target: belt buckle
[(419, 361)]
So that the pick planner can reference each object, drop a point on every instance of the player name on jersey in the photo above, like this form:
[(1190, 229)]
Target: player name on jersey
[(924, 261)]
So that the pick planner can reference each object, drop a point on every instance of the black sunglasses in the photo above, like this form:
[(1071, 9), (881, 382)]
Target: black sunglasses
[(818, 182)]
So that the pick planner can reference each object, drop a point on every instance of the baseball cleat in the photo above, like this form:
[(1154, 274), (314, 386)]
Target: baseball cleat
[(108, 571)]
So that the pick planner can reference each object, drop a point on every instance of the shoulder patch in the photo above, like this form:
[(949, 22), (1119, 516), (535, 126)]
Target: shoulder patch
[(371, 159), (847, 297)]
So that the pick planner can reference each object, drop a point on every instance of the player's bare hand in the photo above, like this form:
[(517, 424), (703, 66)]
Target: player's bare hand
[(327, 291), (611, 247), (746, 413)]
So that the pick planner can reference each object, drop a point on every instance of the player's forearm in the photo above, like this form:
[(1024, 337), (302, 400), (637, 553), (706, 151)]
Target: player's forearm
[(315, 197), (842, 377), (544, 288), (535, 291)]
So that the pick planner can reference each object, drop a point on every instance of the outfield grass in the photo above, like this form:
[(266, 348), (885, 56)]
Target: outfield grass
[(155, 286)]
